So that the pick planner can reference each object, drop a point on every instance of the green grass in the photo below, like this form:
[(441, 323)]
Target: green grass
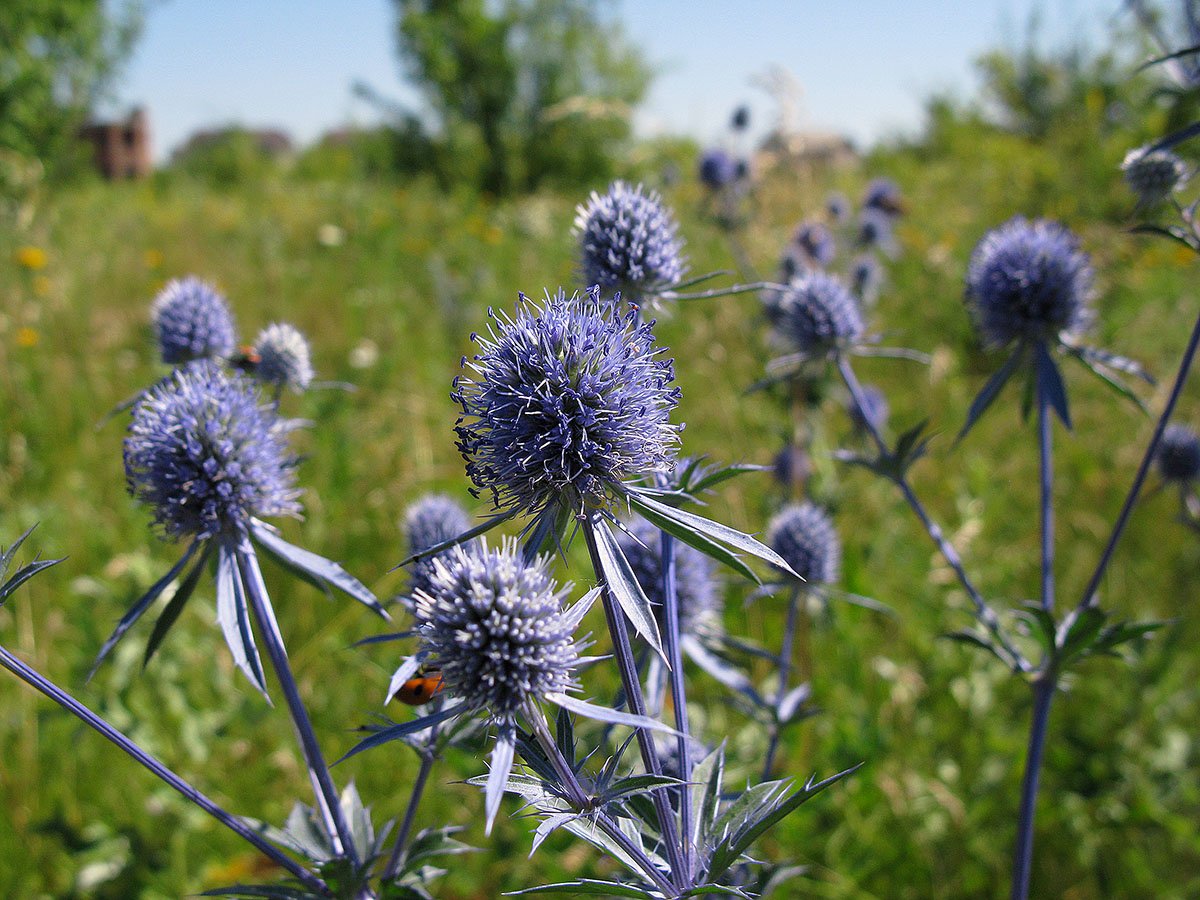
[(942, 730)]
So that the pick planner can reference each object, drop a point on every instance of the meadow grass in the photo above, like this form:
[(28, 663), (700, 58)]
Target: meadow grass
[(390, 309)]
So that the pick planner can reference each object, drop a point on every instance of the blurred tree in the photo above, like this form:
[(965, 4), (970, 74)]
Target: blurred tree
[(521, 92), (57, 58)]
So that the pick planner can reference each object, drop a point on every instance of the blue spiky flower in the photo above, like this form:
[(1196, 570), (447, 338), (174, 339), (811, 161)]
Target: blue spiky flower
[(430, 521), (804, 535), (865, 278), (496, 627), (875, 229), (284, 357), (837, 207), (695, 586), (884, 195), (717, 169), (192, 321), (1179, 455), (1028, 281), (815, 243), (629, 240), (567, 399), (206, 454), (815, 315), (1153, 174)]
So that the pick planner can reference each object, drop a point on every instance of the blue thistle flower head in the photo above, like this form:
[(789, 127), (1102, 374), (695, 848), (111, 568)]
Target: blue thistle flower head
[(815, 315), (629, 240), (874, 228), (695, 587), (1154, 175), (875, 409), (496, 627), (284, 357), (432, 519), (717, 169), (192, 321), (865, 277), (815, 243), (803, 534), (1028, 281), (567, 399), (792, 467), (206, 454), (741, 118), (883, 195), (837, 207), (1178, 455)]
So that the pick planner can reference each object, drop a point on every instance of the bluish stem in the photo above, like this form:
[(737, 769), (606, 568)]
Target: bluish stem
[(1043, 694), (327, 797), (983, 612), (1185, 365), (98, 724), (623, 654), (678, 693), (1046, 485), (396, 860), (579, 800), (785, 672)]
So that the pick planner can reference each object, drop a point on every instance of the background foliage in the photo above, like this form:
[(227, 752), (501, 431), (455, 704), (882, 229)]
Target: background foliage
[(389, 279)]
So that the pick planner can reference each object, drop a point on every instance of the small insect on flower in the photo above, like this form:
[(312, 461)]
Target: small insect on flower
[(245, 359), (422, 688)]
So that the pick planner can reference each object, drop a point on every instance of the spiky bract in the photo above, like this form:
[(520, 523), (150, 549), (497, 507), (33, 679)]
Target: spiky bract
[(695, 587)]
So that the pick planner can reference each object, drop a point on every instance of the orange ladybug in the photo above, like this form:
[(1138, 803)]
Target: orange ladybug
[(421, 689), (246, 359)]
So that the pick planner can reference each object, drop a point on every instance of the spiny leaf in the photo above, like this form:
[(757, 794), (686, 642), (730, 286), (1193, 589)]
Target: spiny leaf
[(991, 390)]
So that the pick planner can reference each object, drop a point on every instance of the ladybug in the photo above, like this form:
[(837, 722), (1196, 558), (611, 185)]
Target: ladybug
[(246, 358), (421, 689)]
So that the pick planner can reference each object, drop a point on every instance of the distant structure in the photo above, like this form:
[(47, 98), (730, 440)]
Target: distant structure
[(790, 143), (121, 149)]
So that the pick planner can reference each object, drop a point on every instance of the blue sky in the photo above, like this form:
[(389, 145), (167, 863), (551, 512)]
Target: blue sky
[(864, 66)]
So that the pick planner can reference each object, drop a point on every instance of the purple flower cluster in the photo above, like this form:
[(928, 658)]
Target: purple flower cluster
[(718, 169), (569, 398), (1179, 455), (1028, 281), (1153, 174), (496, 628), (815, 243), (803, 534), (284, 357), (629, 240), (192, 321), (430, 521), (206, 454), (815, 315)]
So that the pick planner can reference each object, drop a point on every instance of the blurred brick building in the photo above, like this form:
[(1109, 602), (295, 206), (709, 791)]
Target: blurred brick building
[(121, 149)]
